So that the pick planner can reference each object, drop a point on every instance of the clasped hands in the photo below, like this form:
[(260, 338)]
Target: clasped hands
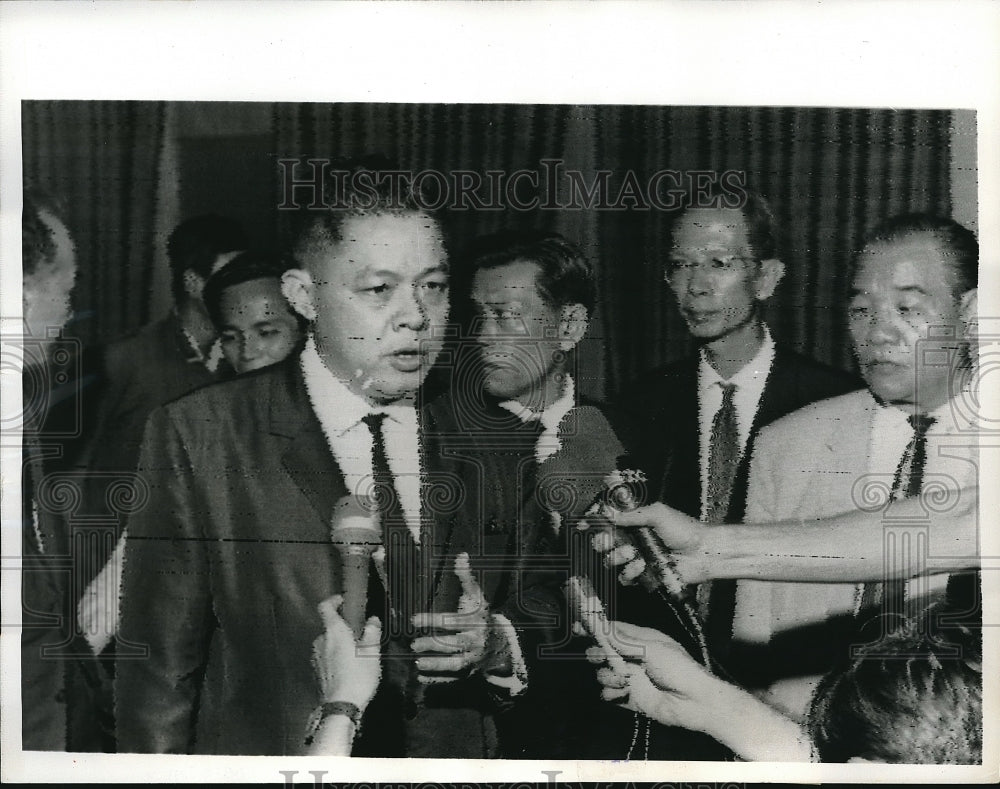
[(462, 641)]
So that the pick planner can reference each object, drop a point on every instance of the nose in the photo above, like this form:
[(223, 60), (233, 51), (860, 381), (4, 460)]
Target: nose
[(883, 328), (410, 311), (700, 279), (250, 349)]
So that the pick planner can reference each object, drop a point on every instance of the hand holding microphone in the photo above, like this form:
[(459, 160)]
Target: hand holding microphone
[(663, 537), (356, 534)]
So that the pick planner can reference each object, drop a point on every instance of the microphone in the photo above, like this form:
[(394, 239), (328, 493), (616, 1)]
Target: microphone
[(356, 534), (581, 482)]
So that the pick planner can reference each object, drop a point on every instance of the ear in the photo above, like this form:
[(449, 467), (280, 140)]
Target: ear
[(573, 322), (194, 283), (770, 274), (297, 288)]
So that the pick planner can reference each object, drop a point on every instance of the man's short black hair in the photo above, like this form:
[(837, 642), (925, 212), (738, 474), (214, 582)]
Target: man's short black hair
[(245, 267), (762, 232), (909, 698), (565, 276), (957, 242), (352, 188), (196, 243)]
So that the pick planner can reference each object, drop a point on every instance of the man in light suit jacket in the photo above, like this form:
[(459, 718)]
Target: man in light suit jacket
[(226, 565), (912, 301)]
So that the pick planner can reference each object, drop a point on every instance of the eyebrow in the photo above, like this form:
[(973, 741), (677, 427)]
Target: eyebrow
[(901, 289)]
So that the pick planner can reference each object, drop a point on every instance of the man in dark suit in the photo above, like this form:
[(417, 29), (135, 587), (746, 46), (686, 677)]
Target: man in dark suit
[(702, 414), (172, 356), (226, 566)]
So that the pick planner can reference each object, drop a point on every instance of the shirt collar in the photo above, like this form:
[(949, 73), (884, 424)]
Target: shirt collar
[(336, 406), (552, 415), (759, 366), (195, 356)]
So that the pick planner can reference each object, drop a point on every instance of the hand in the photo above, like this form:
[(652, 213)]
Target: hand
[(458, 644), (660, 679), (347, 670), (682, 534)]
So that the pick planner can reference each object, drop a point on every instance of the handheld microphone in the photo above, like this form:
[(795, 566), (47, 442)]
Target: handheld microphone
[(356, 534), (588, 465)]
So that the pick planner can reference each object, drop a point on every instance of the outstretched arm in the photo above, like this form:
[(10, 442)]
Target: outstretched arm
[(662, 681), (843, 548)]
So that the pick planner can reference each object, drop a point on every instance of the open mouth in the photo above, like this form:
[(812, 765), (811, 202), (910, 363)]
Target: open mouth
[(406, 360)]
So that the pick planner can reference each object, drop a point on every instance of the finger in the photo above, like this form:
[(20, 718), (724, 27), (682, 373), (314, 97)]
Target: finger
[(602, 541), (445, 664), (614, 694), (472, 595), (630, 572), (427, 679), (637, 634), (611, 679), (371, 636), (329, 610), (650, 515), (596, 655), (452, 620), (621, 554), (442, 643)]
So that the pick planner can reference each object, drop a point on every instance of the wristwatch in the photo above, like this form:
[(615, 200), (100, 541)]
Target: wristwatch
[(325, 710)]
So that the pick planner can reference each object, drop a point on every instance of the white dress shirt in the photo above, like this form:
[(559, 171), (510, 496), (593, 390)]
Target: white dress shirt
[(340, 411), (548, 441), (950, 459), (750, 382)]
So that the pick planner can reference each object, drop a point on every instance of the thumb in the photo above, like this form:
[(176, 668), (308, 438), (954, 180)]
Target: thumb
[(463, 569), (472, 600), (643, 516), (329, 610), (371, 636)]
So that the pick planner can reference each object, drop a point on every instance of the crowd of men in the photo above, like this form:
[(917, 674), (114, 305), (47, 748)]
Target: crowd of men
[(278, 403)]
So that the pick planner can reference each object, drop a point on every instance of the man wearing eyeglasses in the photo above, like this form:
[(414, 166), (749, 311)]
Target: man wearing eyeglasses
[(703, 413)]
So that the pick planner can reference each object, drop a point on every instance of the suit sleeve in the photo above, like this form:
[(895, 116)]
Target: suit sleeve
[(166, 603)]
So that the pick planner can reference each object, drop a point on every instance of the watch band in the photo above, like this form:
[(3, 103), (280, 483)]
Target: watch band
[(325, 710)]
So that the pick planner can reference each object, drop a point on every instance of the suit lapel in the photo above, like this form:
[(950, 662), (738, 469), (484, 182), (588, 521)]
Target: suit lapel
[(681, 484), (848, 446), (308, 459)]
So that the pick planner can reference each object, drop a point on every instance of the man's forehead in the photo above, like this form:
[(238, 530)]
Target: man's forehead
[(513, 279), (910, 261), (710, 228)]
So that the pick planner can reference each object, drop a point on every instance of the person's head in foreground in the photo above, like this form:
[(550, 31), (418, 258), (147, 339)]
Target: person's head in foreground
[(48, 265), (911, 698), (257, 327), (912, 309), (371, 277)]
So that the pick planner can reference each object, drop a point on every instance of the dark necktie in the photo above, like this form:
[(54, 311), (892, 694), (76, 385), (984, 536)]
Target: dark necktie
[(395, 535), (907, 482), (723, 458)]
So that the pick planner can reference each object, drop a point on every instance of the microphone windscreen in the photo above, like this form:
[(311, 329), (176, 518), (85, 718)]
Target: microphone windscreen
[(356, 534)]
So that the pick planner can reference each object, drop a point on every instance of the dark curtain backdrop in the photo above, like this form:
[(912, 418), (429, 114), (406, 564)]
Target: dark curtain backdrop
[(100, 161), (831, 176)]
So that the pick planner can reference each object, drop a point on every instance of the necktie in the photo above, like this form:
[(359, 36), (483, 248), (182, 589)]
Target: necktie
[(906, 484), (723, 458), (717, 599), (395, 535)]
